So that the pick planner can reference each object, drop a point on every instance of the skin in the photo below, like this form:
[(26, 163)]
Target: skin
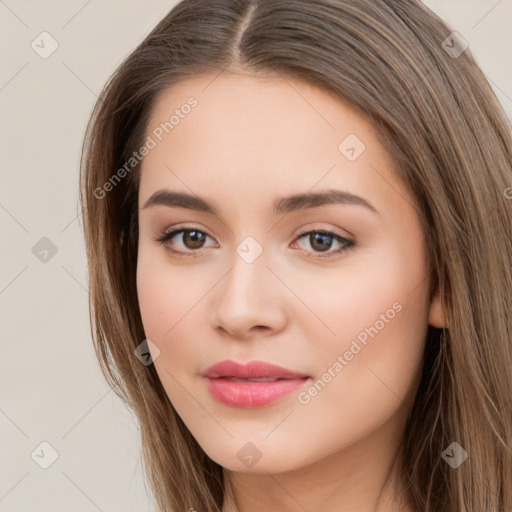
[(248, 142)]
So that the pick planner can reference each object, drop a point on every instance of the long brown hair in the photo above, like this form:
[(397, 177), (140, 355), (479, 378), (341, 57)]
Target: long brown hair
[(399, 65)]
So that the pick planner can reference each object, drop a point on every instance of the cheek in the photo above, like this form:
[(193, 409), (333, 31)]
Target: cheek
[(170, 298), (162, 290), (156, 300), (172, 303), (371, 371), (346, 299), (377, 312), (381, 329)]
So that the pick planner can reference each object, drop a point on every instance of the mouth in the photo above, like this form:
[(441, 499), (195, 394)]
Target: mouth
[(256, 384)]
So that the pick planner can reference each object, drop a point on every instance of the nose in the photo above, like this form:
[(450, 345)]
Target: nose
[(250, 299)]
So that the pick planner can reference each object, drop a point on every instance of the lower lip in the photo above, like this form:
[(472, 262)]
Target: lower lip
[(252, 394)]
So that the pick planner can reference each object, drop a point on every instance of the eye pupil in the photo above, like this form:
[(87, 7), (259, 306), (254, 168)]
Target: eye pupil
[(323, 245)]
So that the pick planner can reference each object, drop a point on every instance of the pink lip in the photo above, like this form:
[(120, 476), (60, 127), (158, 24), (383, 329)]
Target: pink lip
[(249, 394)]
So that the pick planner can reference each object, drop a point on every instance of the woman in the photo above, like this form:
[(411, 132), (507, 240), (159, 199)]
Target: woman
[(270, 369)]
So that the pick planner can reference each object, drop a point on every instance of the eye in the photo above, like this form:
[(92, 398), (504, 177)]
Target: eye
[(192, 238), (322, 240)]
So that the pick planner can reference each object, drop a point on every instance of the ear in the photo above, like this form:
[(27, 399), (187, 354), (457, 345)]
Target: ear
[(436, 314)]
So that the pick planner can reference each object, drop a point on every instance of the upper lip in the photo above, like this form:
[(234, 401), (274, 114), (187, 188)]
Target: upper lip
[(251, 370)]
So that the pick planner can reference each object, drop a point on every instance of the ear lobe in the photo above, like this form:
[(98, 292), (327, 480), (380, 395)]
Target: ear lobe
[(436, 315)]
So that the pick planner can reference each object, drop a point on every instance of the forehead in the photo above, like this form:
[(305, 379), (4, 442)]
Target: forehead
[(238, 132), (257, 106)]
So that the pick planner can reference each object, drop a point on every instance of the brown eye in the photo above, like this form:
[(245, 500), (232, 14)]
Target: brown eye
[(192, 240), (321, 241)]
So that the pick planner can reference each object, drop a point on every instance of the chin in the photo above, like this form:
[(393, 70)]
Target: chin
[(248, 457)]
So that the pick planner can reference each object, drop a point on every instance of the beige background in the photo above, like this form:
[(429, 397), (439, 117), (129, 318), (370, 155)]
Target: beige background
[(51, 388)]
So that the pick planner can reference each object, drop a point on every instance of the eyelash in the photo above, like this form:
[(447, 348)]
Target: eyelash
[(167, 235)]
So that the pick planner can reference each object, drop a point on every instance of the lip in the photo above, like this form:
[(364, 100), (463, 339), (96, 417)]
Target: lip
[(251, 370), (249, 394)]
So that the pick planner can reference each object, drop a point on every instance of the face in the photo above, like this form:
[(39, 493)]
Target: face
[(333, 290)]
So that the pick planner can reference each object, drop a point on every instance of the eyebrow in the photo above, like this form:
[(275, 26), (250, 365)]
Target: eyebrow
[(282, 205)]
